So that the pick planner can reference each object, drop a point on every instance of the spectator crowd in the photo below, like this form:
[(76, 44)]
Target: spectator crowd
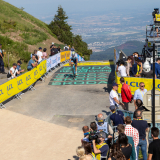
[(118, 137), (133, 67), (36, 57)]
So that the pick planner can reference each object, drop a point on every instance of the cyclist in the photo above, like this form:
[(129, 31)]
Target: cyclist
[(73, 60)]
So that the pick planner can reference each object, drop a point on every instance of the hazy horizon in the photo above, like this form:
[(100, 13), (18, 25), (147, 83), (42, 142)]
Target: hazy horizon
[(48, 8)]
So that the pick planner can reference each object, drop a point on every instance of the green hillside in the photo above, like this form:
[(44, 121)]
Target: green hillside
[(21, 33), (128, 48)]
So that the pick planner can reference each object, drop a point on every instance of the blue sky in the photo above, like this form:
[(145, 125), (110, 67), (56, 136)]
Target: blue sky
[(45, 8)]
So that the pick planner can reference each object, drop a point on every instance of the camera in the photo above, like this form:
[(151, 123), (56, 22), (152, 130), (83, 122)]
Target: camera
[(94, 136), (156, 11)]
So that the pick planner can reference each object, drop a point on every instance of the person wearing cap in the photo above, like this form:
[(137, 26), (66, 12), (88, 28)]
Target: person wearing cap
[(113, 96), (19, 67), (103, 126), (1, 61), (12, 72), (40, 55), (117, 117), (101, 149)]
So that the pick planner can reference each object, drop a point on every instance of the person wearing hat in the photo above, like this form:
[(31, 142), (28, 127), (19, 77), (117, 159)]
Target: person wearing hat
[(101, 149), (117, 117), (40, 55), (19, 67), (12, 72), (113, 96)]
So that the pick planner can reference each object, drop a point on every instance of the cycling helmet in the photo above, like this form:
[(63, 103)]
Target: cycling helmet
[(73, 54), (146, 66)]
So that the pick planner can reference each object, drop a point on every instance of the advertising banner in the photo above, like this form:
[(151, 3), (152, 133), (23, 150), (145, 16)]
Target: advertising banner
[(17, 85), (49, 64), (58, 58), (63, 56), (133, 82), (68, 54)]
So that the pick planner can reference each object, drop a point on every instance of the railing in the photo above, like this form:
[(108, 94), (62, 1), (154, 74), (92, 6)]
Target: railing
[(26, 81)]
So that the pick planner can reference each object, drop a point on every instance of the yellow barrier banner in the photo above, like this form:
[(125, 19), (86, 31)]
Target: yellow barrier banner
[(133, 82), (68, 54), (93, 63), (63, 56), (17, 85)]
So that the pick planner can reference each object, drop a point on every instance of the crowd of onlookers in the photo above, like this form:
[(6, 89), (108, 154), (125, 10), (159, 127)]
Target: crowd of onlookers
[(133, 67), (119, 137), (36, 57)]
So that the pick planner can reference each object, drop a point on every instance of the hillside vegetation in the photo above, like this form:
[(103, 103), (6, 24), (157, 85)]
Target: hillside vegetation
[(62, 30), (21, 33), (128, 48)]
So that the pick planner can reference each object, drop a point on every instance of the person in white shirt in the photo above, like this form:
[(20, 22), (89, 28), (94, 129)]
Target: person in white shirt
[(39, 54), (12, 72), (113, 96), (66, 48), (122, 70)]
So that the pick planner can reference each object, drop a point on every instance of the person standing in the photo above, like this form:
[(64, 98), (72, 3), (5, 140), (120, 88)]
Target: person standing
[(157, 67), (121, 129), (125, 93), (66, 48), (129, 65), (139, 93), (1, 61), (154, 147), (117, 117), (142, 127), (44, 53), (131, 132), (59, 48), (137, 68), (122, 69), (113, 96), (40, 55)]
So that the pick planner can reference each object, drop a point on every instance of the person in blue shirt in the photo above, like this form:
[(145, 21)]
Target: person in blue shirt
[(31, 63), (157, 67), (19, 67), (139, 93), (117, 117)]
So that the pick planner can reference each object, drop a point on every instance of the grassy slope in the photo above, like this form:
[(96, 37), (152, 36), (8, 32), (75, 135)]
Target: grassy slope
[(21, 33)]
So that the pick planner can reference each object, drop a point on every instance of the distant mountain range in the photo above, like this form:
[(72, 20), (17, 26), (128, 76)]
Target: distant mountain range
[(128, 48)]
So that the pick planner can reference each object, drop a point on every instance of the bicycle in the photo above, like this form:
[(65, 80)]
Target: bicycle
[(74, 71)]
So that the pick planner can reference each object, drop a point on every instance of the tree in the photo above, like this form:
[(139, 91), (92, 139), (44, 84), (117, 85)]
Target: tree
[(62, 30), (60, 27)]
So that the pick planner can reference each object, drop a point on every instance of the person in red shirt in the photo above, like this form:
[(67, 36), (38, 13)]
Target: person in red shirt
[(125, 93)]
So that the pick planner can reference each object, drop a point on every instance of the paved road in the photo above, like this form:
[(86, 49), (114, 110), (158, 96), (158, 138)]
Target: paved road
[(46, 123)]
